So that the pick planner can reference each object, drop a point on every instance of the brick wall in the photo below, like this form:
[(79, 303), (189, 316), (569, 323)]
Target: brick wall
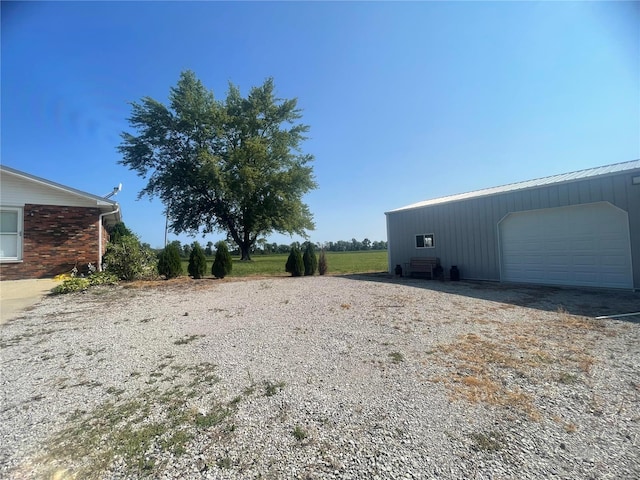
[(55, 240)]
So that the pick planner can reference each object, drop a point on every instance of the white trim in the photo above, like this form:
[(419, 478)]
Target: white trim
[(19, 234), (389, 262), (424, 235)]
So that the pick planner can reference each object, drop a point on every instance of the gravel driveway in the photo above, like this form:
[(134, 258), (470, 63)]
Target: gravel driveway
[(322, 377)]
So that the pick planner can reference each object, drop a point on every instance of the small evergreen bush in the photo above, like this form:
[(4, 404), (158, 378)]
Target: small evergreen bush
[(169, 262), (128, 259), (222, 263), (322, 263), (310, 260), (295, 265), (118, 231), (197, 262)]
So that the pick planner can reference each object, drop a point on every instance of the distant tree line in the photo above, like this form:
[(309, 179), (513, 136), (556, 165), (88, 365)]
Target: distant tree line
[(262, 247)]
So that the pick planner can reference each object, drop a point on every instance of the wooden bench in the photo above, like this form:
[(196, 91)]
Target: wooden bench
[(423, 265)]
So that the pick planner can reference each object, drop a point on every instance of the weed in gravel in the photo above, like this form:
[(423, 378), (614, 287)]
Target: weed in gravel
[(486, 441), (251, 388), (187, 339), (115, 391), (396, 357), (567, 378), (87, 383), (17, 340), (272, 388), (136, 430), (475, 379), (91, 351), (299, 433), (212, 418), (481, 365)]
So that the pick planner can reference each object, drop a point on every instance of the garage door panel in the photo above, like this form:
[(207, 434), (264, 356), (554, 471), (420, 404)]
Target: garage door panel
[(585, 261), (582, 244), (557, 261), (613, 262), (579, 245)]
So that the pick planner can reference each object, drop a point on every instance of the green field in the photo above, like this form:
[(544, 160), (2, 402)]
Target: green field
[(338, 263)]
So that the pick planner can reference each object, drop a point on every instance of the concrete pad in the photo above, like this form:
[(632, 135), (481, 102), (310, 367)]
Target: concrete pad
[(17, 295)]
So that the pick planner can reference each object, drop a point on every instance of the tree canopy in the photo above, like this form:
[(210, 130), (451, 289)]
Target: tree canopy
[(235, 166)]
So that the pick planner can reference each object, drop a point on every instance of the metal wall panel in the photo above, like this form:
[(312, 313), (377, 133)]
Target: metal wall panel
[(466, 232)]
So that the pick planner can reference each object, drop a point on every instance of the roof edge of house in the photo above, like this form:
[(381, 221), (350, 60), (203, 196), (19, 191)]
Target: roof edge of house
[(100, 201)]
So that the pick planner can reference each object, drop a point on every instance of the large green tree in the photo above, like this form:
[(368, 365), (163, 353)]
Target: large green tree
[(234, 166)]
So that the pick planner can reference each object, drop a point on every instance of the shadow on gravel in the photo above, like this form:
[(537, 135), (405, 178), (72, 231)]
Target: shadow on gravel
[(576, 301)]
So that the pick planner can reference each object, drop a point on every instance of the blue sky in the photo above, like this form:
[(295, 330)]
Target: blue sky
[(406, 101)]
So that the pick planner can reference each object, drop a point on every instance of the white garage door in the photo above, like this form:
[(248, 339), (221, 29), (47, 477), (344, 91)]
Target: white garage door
[(585, 245)]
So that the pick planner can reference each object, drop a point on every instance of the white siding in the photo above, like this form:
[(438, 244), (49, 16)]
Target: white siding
[(17, 191)]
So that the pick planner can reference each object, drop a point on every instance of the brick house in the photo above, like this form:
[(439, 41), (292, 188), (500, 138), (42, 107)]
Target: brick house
[(47, 228)]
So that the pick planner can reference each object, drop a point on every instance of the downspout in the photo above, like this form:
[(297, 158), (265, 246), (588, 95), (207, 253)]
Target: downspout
[(102, 215)]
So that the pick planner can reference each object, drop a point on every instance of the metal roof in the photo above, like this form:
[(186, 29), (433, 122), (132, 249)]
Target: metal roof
[(539, 182)]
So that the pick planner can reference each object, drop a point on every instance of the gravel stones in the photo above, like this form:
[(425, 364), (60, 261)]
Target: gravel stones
[(321, 377)]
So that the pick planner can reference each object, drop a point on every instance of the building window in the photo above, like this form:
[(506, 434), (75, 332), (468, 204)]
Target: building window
[(425, 241), (11, 234)]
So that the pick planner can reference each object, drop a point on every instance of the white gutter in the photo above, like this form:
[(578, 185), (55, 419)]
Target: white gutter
[(102, 215)]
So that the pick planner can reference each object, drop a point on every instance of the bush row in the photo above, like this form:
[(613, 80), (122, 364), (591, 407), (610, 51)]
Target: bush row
[(126, 258), (80, 284), (305, 263)]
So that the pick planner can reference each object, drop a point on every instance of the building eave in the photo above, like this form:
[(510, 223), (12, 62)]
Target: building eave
[(586, 174)]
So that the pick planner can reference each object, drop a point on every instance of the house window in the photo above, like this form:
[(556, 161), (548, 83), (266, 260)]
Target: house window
[(425, 241), (10, 234)]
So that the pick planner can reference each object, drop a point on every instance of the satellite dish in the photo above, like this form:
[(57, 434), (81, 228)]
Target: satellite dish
[(115, 191)]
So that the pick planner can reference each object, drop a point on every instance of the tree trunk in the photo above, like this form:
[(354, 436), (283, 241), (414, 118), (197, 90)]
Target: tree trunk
[(245, 246), (244, 251)]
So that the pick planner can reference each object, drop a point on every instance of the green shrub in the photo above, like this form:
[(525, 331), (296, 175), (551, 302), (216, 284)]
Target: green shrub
[(128, 259), (118, 231), (71, 285), (197, 262), (310, 260), (322, 263), (102, 278), (295, 265), (169, 262), (222, 263)]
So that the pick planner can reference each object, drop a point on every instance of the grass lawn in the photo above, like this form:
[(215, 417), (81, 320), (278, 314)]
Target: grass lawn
[(338, 263)]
